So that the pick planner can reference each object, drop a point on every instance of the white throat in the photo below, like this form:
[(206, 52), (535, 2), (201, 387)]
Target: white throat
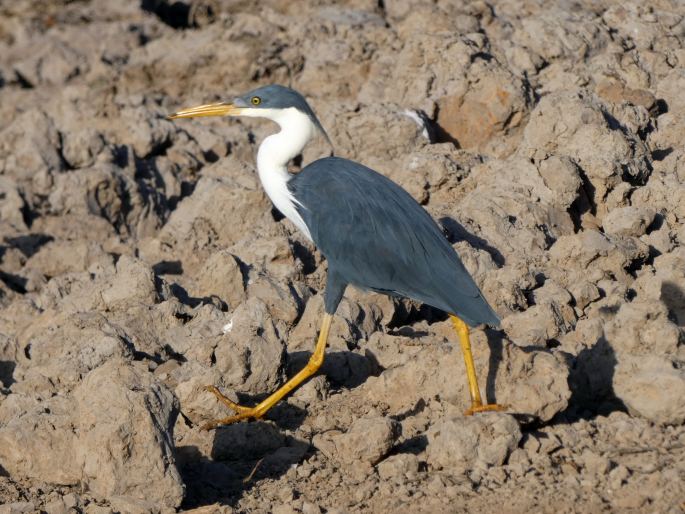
[(276, 151)]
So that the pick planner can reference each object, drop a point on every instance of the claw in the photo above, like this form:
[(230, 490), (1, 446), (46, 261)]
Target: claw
[(490, 407)]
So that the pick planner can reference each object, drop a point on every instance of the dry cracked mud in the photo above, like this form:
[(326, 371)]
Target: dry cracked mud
[(140, 259)]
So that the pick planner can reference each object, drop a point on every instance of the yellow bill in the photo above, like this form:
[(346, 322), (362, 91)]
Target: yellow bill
[(217, 109)]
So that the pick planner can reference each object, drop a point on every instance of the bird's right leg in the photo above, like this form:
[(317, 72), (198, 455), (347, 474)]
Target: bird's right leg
[(260, 409), (465, 341)]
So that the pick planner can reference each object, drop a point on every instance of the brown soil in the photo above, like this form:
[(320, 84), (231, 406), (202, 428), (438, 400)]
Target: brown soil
[(140, 259)]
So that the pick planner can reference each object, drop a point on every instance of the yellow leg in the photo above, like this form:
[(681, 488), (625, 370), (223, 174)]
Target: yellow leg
[(476, 402), (260, 409)]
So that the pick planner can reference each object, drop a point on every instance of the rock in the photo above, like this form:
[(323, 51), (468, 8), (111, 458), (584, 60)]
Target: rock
[(670, 125), (367, 441), (125, 442), (642, 328), (51, 62), (595, 464), (63, 349), (310, 508), (561, 176), (628, 221), (81, 147), (352, 320), (274, 257), (398, 466), (59, 257), (64, 504), (31, 160), (211, 509), (477, 262), (250, 356), (617, 92), (652, 387), (359, 133), (462, 444), (133, 505), (11, 205), (147, 131), (8, 358), (584, 292), (221, 276), (192, 334), (140, 256), (557, 34), (281, 299), (617, 476), (533, 383), (495, 103), (590, 246), (535, 215), (640, 31), (34, 436), (284, 509), (134, 282), (535, 326), (552, 293), (17, 508), (573, 125), (113, 434), (221, 211)]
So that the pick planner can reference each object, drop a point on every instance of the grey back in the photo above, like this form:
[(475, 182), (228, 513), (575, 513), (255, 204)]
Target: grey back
[(376, 236)]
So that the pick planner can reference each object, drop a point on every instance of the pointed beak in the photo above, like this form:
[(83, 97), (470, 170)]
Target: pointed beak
[(217, 109)]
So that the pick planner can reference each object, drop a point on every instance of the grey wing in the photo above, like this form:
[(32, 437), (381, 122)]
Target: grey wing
[(376, 236)]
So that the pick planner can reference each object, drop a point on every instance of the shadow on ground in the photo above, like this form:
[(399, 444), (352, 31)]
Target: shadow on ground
[(591, 382), (242, 455), (248, 452)]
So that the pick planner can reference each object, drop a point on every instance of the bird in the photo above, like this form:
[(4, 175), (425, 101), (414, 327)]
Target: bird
[(374, 235)]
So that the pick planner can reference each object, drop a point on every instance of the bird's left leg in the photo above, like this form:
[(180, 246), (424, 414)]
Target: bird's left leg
[(260, 409), (476, 401)]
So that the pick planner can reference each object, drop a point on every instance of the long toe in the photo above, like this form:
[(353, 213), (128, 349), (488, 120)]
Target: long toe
[(211, 425), (228, 403), (490, 407)]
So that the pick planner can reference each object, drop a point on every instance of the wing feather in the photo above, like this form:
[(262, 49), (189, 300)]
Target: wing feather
[(376, 236)]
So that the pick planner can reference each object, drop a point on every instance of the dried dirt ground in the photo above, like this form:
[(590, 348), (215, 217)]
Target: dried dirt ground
[(140, 259)]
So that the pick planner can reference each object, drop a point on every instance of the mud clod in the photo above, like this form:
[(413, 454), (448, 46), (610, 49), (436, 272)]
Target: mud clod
[(141, 260)]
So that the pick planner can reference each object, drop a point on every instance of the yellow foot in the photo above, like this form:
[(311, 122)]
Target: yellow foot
[(241, 412), (490, 407)]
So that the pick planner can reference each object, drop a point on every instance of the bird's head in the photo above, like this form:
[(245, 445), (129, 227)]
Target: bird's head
[(273, 102)]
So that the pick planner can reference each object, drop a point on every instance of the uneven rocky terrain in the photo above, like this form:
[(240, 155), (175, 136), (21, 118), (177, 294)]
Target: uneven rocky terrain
[(140, 259)]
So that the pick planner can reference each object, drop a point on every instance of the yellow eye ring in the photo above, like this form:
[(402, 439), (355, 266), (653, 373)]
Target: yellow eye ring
[(256, 100)]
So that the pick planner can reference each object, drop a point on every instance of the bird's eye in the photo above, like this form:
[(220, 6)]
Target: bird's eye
[(256, 100)]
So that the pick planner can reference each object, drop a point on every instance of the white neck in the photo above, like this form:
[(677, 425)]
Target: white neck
[(276, 151)]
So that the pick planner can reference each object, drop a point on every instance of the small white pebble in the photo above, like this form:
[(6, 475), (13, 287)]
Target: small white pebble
[(228, 327), (414, 116)]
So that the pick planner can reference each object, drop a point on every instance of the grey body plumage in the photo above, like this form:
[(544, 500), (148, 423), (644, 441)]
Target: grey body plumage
[(375, 236)]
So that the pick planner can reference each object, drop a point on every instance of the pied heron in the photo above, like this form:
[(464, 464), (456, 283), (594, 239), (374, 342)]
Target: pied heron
[(373, 234)]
